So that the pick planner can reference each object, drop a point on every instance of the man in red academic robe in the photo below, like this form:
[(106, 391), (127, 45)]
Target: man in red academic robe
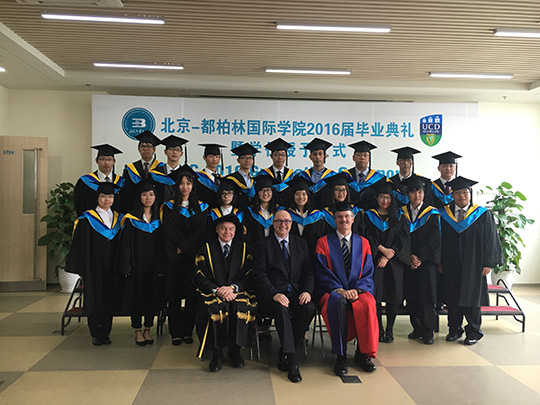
[(344, 270)]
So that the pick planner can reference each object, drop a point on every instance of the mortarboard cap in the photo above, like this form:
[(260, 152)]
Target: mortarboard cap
[(184, 170), (106, 187), (145, 185), (405, 153), (300, 183), (148, 137), (340, 179), (362, 146), (342, 206), (460, 183), (244, 149), (447, 157), (318, 144), (414, 183), (278, 144), (384, 187), (227, 218), (226, 185), (172, 141), (211, 148), (106, 150), (263, 181)]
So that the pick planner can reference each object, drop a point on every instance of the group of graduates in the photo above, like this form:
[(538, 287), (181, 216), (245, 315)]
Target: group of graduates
[(223, 253)]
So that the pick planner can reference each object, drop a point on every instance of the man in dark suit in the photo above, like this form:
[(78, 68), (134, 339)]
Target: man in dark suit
[(284, 284)]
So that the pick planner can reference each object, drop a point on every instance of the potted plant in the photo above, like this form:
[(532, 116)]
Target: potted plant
[(59, 231), (506, 209)]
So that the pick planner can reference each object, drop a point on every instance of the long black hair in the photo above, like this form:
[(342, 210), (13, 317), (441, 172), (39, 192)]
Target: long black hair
[(192, 199), (138, 210), (256, 203), (309, 205), (347, 199)]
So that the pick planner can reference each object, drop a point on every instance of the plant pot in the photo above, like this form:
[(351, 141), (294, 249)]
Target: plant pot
[(507, 276), (67, 281)]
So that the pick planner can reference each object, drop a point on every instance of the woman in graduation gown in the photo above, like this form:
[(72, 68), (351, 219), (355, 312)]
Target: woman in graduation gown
[(93, 256), (307, 222), (141, 253), (388, 236), (259, 216), (420, 279), (226, 202), (184, 224), (339, 193)]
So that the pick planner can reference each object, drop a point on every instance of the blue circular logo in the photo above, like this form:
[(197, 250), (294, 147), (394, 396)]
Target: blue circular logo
[(138, 120)]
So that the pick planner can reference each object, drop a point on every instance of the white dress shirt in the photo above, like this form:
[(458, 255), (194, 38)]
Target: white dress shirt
[(347, 240), (415, 212), (106, 216)]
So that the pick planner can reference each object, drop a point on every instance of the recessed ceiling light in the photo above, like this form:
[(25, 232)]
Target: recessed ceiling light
[(516, 32), (309, 71), (470, 75), (129, 20), (2, 69), (333, 27), (137, 66)]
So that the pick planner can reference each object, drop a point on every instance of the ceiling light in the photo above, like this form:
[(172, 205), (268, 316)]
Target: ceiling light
[(135, 66), (309, 71), (516, 32), (131, 20), (470, 75), (334, 27), (2, 69)]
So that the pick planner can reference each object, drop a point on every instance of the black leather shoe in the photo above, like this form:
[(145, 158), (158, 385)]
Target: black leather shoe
[(452, 337), (294, 373), (177, 341), (340, 368), (106, 341), (469, 341), (388, 337), (236, 360), (188, 340), (381, 337), (428, 340), (283, 360), (96, 341), (364, 362), (414, 335), (215, 364)]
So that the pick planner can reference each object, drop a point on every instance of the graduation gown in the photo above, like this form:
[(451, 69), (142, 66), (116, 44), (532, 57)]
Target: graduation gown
[(141, 261), (389, 279), (330, 275), (164, 184), (216, 213), (281, 188), (314, 227), (93, 257), (255, 225), (245, 193), (133, 174), (467, 246), (440, 198), (403, 198), (363, 193), (207, 188), (425, 232), (85, 192), (321, 193), (215, 317)]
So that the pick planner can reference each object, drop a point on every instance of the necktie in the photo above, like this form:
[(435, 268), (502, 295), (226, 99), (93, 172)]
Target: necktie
[(146, 167), (278, 176), (285, 251), (447, 189), (361, 177), (107, 179), (460, 215), (226, 250), (216, 178), (346, 256)]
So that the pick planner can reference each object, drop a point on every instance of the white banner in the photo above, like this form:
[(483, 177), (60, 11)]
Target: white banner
[(431, 128)]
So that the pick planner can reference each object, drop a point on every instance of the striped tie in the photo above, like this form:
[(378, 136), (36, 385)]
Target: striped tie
[(226, 250), (346, 256)]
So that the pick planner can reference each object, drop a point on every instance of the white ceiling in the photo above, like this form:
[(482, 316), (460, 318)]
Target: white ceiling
[(225, 45)]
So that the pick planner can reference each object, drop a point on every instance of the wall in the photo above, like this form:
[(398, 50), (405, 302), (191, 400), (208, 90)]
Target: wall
[(503, 145)]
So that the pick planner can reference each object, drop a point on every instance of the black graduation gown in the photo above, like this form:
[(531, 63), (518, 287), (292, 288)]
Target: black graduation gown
[(366, 198), (440, 198), (93, 256), (133, 174), (214, 316), (85, 192), (403, 198), (244, 193), (388, 280), (282, 192), (314, 228), (321, 192), (141, 261), (164, 184), (255, 225), (420, 285), (207, 188), (467, 246)]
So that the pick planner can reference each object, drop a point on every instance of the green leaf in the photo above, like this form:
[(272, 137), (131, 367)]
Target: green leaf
[(506, 185)]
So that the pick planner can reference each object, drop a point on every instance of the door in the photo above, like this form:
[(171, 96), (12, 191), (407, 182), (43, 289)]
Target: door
[(23, 191)]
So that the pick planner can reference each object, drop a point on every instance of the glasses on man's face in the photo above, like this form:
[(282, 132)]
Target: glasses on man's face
[(176, 149), (462, 192), (279, 154), (246, 158), (146, 146), (106, 160), (282, 221)]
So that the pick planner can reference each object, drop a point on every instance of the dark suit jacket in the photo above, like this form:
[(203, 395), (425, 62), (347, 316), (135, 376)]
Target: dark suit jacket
[(272, 274)]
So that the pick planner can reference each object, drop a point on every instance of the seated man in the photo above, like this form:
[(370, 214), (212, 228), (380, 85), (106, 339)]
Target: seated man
[(344, 273), (223, 280), (284, 283)]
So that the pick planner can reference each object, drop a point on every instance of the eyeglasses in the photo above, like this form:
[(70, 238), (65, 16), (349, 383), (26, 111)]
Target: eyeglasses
[(384, 197), (176, 149), (265, 190), (340, 190), (462, 192), (246, 157), (105, 159), (227, 193), (279, 154), (146, 146), (282, 221)]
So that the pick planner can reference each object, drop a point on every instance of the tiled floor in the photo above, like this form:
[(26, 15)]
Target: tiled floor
[(37, 365)]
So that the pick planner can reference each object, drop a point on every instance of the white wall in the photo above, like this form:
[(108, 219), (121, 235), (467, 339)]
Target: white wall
[(504, 145)]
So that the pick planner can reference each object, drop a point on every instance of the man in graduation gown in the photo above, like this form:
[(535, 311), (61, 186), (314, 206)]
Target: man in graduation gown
[(223, 281), (318, 174), (92, 256), (420, 278), (278, 172), (84, 195), (283, 276), (362, 192), (242, 177), (470, 249), (442, 193), (140, 169), (405, 162), (208, 179), (344, 277)]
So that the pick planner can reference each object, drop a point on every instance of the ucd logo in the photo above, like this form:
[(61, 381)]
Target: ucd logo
[(138, 120), (431, 129)]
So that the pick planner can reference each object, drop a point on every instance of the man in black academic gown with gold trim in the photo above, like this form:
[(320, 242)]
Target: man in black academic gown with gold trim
[(280, 174), (223, 281), (470, 249)]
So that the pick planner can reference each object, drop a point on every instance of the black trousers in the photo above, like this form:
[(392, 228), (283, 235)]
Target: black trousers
[(423, 318), (473, 315), (100, 325), (136, 321), (291, 323), (182, 320)]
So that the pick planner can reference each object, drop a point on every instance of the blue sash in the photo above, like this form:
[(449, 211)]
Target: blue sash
[(97, 223), (473, 213), (140, 224), (265, 223)]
